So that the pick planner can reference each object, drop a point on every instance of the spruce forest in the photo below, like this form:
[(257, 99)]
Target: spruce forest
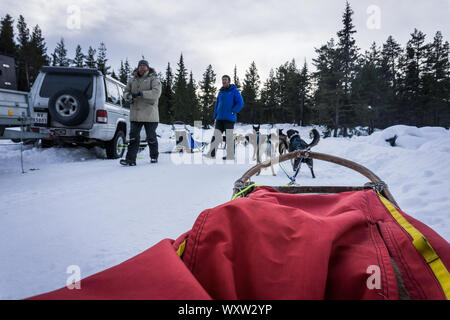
[(345, 87)]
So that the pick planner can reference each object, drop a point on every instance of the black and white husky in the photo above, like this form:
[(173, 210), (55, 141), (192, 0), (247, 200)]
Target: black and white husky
[(295, 142)]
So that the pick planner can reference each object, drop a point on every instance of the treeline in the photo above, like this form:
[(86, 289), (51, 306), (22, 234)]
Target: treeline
[(30, 52), (385, 85)]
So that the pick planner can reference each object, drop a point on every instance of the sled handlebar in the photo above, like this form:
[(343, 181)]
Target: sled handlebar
[(376, 181)]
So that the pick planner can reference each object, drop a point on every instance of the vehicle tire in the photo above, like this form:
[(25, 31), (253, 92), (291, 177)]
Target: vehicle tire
[(70, 107), (115, 147), (25, 141), (30, 141), (46, 143)]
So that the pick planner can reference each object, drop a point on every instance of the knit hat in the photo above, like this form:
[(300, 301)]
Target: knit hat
[(144, 62)]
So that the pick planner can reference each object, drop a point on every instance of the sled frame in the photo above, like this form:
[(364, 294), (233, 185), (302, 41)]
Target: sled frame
[(375, 182), (199, 146)]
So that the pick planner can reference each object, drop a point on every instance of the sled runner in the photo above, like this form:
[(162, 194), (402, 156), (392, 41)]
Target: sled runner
[(288, 242)]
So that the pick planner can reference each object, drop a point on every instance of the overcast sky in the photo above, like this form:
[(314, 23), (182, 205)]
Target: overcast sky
[(223, 33)]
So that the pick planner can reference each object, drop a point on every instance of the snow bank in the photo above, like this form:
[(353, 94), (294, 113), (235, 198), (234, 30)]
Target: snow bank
[(413, 138), (82, 209)]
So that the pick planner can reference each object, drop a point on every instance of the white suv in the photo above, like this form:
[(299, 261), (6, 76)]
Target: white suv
[(81, 106)]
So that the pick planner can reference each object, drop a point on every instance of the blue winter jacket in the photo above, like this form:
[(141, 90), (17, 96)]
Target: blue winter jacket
[(229, 102)]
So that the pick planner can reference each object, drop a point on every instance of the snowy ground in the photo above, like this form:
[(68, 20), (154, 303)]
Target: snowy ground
[(72, 207)]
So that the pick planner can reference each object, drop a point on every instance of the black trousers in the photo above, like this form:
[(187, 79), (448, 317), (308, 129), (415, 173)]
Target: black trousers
[(135, 138), (220, 128)]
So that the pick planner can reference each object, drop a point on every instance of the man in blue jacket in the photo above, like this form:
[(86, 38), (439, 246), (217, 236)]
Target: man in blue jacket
[(229, 102)]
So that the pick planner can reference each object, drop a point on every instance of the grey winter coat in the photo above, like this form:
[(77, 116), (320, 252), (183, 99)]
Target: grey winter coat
[(145, 107)]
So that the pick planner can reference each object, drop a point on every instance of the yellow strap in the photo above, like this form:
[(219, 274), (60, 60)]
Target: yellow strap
[(181, 248), (424, 247), (246, 189)]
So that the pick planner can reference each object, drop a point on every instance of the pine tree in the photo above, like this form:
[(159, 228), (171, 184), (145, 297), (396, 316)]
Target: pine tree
[(346, 48), (251, 113), (413, 67), (23, 33), (329, 91), (38, 53), (192, 101), (347, 55), (24, 54), (114, 76), (236, 80), (54, 59), (436, 82), (7, 45), (208, 95), (289, 82), (60, 54), (368, 89), (390, 55), (269, 99), (180, 91), (166, 100), (127, 69), (78, 61), (390, 61), (90, 60), (101, 60), (123, 77), (305, 88)]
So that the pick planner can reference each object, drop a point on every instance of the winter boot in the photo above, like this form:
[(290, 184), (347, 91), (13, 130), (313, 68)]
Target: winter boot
[(126, 162)]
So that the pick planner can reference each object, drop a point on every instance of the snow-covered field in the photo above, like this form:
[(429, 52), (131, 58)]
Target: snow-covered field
[(73, 207)]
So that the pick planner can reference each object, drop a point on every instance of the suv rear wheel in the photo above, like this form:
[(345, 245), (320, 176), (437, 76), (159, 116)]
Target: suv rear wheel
[(116, 147)]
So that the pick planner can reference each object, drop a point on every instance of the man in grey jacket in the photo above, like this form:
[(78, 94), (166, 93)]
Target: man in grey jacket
[(143, 90)]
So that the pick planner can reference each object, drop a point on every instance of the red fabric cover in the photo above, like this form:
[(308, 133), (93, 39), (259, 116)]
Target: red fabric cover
[(156, 274), (277, 246)]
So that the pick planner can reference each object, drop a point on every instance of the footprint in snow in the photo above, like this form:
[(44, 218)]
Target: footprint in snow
[(428, 173)]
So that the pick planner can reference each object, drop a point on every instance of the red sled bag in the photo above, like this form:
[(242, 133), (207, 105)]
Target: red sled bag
[(272, 245)]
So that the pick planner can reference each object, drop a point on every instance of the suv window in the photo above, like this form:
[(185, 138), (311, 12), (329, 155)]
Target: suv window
[(125, 104), (54, 82), (112, 93)]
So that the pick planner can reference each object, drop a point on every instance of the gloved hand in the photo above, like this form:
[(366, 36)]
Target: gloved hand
[(128, 97), (135, 95)]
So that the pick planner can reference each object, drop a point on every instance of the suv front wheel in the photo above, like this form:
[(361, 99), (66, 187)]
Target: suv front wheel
[(116, 147)]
